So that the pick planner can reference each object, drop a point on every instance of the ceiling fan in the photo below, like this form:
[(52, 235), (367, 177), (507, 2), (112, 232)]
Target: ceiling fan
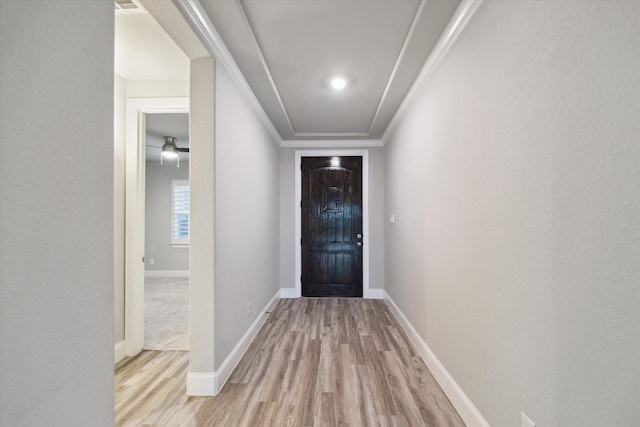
[(170, 150)]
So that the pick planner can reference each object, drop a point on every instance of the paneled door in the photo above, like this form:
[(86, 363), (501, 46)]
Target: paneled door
[(331, 226)]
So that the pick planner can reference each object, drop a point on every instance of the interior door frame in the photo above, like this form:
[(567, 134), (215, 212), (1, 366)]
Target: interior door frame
[(136, 111), (299, 154)]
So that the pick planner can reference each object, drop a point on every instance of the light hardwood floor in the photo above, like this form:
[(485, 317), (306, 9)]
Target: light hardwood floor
[(316, 362)]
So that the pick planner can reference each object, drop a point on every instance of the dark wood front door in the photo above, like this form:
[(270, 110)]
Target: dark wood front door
[(332, 226)]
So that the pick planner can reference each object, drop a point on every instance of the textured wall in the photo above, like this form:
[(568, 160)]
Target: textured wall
[(246, 215), (515, 183), (158, 217), (56, 218)]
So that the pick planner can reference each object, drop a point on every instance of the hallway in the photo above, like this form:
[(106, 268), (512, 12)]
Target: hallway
[(315, 362), (503, 216)]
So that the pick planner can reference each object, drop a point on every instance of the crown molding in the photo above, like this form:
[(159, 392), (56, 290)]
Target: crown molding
[(403, 50), (331, 134), (205, 30), (330, 143), (456, 25), (263, 61)]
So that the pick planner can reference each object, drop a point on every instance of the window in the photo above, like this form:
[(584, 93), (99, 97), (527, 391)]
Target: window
[(179, 212)]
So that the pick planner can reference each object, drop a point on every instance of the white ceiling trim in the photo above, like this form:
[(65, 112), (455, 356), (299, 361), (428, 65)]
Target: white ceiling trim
[(332, 134), (263, 61), (331, 143), (202, 25), (458, 22), (407, 39)]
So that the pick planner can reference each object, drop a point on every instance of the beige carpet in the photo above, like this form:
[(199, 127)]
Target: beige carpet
[(166, 313)]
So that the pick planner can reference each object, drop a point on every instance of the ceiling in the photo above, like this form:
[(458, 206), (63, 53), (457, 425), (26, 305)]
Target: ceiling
[(287, 50), (283, 52)]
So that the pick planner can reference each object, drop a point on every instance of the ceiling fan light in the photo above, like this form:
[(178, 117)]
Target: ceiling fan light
[(169, 154), (169, 150)]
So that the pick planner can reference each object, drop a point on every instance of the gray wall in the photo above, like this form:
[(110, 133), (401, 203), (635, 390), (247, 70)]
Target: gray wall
[(246, 215), (287, 217), (376, 218), (56, 214), (514, 181), (158, 217)]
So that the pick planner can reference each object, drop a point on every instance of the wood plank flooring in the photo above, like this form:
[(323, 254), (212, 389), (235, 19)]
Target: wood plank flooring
[(316, 362)]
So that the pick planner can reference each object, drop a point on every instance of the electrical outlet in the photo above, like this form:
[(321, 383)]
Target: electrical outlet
[(152, 261), (392, 219), (526, 421), (249, 310)]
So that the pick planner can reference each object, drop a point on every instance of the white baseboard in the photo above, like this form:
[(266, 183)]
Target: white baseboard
[(467, 410), (210, 383), (376, 294), (201, 384), (289, 293), (118, 351), (167, 273)]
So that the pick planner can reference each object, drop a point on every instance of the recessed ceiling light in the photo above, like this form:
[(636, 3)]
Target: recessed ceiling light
[(338, 83)]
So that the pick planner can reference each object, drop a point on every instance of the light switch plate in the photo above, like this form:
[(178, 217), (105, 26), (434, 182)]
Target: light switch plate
[(392, 219)]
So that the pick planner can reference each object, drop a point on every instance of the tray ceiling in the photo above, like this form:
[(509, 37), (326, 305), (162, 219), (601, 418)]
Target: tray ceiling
[(287, 50)]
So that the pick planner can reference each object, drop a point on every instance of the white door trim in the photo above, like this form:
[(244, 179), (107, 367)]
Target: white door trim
[(136, 111), (365, 212)]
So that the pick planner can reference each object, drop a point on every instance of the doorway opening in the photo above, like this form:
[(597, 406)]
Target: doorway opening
[(166, 282), (139, 111)]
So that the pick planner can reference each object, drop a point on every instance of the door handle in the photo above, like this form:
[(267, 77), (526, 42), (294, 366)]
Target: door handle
[(359, 244)]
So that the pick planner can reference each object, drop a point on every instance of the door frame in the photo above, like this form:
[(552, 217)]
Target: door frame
[(136, 111), (299, 154)]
